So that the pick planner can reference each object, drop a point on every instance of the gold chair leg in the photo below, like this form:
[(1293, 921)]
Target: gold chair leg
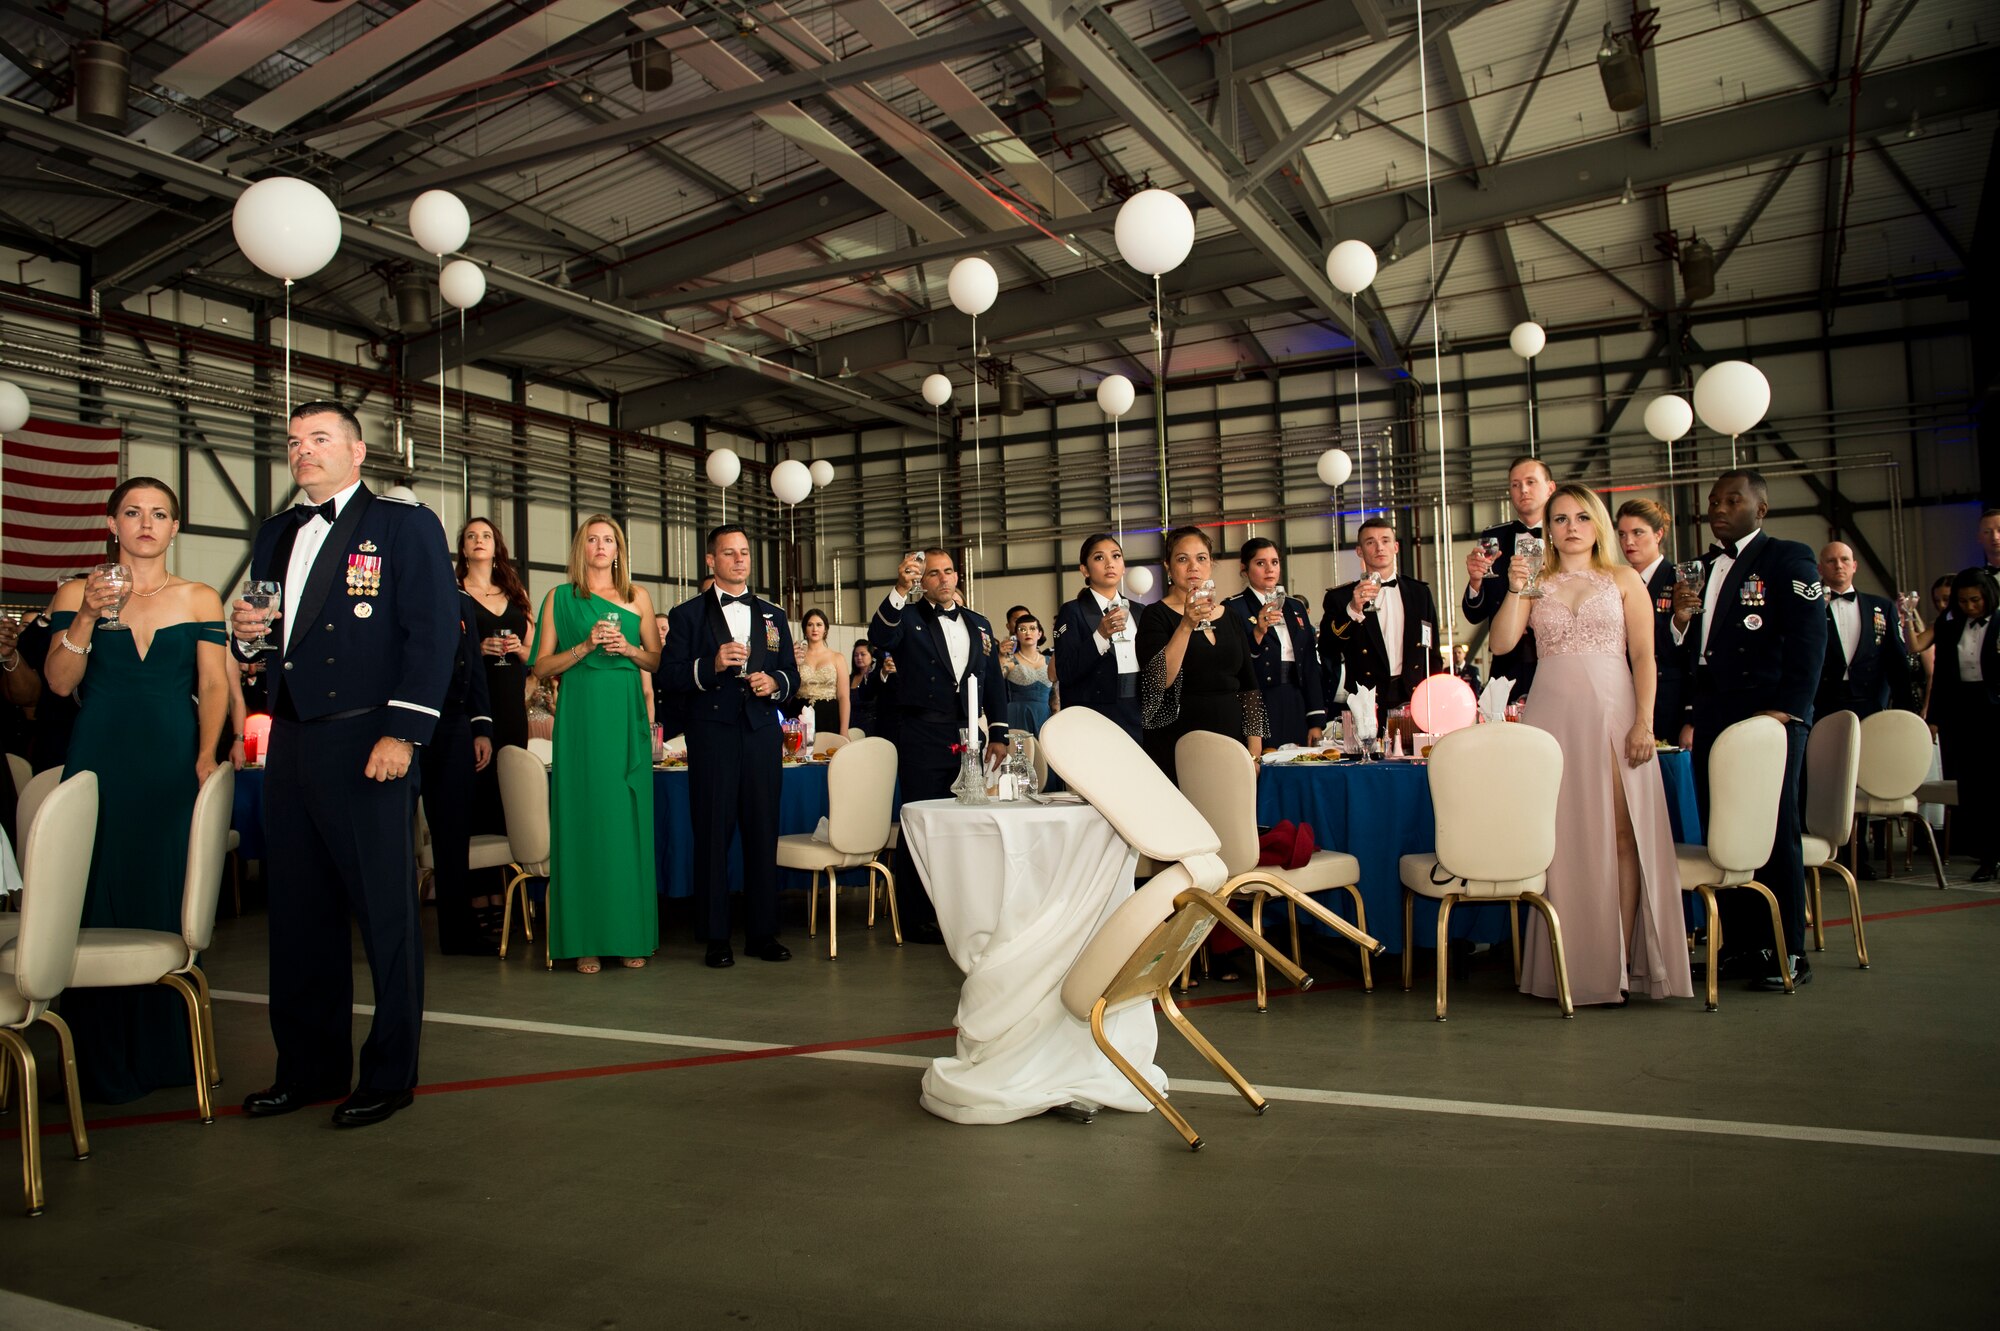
[(1777, 932), (1292, 914), (870, 922), (1937, 862), (1145, 1088), (812, 907), (79, 1132), (1227, 919), (1817, 908), (1211, 1053), (1361, 923), (507, 908), (1514, 937), (1714, 942), (548, 925), (6, 1085), (1548, 911), (1257, 927), (200, 980), (832, 915), (193, 1004), (31, 1119), (1444, 921), (1409, 918), (889, 890), (1854, 915)]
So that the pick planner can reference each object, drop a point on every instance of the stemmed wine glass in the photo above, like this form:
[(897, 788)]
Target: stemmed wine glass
[(1374, 579), (1203, 595), (119, 579), (1530, 550), (1690, 571), (261, 595)]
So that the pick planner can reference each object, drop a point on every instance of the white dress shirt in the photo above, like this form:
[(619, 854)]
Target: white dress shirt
[(1282, 629), (1128, 662), (957, 638), (1847, 623), (305, 549), (1646, 573), (1718, 573), (1970, 644), (737, 616), (1389, 611)]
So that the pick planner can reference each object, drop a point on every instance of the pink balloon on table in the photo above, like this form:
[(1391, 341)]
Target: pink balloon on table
[(1442, 704)]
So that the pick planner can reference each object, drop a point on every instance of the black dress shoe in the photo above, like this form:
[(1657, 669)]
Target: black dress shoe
[(923, 933), (1774, 983), (719, 957), (1866, 873), (364, 1108), (1754, 965), (768, 949), (1985, 873), (285, 1100)]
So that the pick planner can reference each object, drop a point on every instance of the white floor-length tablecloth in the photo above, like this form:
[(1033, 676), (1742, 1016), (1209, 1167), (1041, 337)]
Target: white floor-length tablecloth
[(1019, 889), (10, 875)]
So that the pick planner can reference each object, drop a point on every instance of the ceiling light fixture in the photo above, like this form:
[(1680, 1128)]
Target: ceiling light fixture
[(1626, 197), (1339, 131), (846, 371), (1916, 127), (588, 94), (753, 195), (1238, 377)]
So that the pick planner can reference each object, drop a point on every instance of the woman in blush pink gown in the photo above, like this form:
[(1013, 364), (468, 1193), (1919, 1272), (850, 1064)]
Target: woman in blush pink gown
[(1614, 883)]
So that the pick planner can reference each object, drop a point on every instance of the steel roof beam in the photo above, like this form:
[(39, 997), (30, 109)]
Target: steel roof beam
[(1917, 197)]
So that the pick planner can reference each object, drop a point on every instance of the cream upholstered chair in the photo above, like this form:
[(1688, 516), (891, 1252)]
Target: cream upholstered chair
[(543, 749), (524, 802), (1494, 791), (856, 732), (125, 958), (35, 963), (484, 850), (1934, 792), (860, 786), (38, 788), (1147, 941), (1746, 772), (829, 741), (1219, 777), (1833, 756), (1895, 760), (17, 767)]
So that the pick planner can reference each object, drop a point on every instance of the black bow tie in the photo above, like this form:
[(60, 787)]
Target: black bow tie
[(1533, 531), (1977, 624), (307, 512), (951, 614), (1841, 596), (1733, 551), (1388, 583), (745, 599)]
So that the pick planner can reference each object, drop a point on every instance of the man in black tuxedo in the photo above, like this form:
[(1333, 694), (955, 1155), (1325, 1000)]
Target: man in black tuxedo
[(728, 656), (1381, 627), (938, 645), (1989, 541), (1758, 632), (1867, 662), (1529, 485), (365, 639), (1281, 647), (1641, 523)]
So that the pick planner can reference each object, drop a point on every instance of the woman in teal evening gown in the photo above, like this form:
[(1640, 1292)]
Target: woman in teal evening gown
[(597, 633), (154, 696)]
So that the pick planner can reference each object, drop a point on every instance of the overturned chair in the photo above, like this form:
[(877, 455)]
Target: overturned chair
[(1148, 940)]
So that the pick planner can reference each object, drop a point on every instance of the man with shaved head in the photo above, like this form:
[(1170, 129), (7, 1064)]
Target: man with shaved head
[(1867, 662)]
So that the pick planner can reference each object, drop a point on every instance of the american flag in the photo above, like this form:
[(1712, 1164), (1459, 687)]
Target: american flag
[(56, 481)]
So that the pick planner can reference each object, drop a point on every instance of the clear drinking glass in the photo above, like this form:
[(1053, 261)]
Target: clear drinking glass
[(1204, 594), (1691, 572), (262, 595), (119, 578), (1374, 579), (1529, 550), (1489, 546)]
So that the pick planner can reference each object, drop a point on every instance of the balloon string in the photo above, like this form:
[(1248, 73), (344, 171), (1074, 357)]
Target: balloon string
[(1361, 457), (1160, 391), (288, 354), (937, 446), (978, 484), (1117, 490), (1437, 354), (441, 372)]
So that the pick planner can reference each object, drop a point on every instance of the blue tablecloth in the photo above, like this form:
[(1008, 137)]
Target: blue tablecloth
[(1380, 812), (801, 804)]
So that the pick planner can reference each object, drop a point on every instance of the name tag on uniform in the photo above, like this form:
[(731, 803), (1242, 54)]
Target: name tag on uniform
[(1426, 639)]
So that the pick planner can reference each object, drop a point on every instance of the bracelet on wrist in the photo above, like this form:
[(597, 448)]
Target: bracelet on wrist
[(63, 638)]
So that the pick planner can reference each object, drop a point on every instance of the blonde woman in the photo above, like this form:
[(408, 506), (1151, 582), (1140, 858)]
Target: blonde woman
[(1614, 883), (598, 634)]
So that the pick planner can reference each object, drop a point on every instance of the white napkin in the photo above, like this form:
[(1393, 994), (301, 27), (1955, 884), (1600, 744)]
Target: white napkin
[(1493, 698), (823, 832), (1285, 754), (1362, 703)]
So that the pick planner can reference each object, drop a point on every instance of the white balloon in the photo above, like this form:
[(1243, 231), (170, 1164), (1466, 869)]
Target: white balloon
[(439, 222), (937, 389), (463, 283), (1335, 467), (822, 474), (1527, 339), (1668, 418), (1138, 580), (14, 408), (973, 285), (1351, 267), (286, 226), (1114, 395), (1155, 231), (1732, 397), (723, 467), (791, 481)]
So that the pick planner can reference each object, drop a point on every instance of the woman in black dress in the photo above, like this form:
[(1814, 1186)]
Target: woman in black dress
[(863, 688), (500, 604), (1191, 675)]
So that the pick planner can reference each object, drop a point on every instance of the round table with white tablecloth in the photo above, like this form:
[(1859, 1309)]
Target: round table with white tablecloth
[(1020, 889)]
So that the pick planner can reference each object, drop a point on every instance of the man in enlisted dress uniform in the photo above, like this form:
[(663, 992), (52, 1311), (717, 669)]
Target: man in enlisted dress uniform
[(1381, 627), (1867, 663), (938, 645), (1641, 523), (728, 654), (365, 640), (1758, 634), (1281, 647), (1529, 485)]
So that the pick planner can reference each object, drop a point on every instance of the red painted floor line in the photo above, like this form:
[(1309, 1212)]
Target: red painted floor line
[(1939, 909)]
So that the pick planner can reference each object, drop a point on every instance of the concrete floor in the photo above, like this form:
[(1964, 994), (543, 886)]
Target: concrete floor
[(649, 1175)]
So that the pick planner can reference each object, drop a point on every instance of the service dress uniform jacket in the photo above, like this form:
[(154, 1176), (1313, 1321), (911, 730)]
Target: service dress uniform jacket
[(735, 755), (1671, 660), (1363, 653), (368, 654), (1880, 670), (1087, 677), (1294, 691)]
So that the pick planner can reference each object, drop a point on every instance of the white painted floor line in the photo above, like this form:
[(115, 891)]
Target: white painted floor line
[(1905, 1141), (18, 1310)]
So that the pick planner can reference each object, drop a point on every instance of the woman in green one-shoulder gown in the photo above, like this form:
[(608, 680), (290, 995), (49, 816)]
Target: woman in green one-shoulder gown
[(153, 698), (602, 881)]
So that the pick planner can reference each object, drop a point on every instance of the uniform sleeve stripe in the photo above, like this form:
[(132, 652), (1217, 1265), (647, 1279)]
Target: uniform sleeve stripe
[(414, 707)]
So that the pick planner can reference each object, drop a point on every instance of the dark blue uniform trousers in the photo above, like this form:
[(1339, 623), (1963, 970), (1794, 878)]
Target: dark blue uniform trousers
[(1746, 923), (737, 778)]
